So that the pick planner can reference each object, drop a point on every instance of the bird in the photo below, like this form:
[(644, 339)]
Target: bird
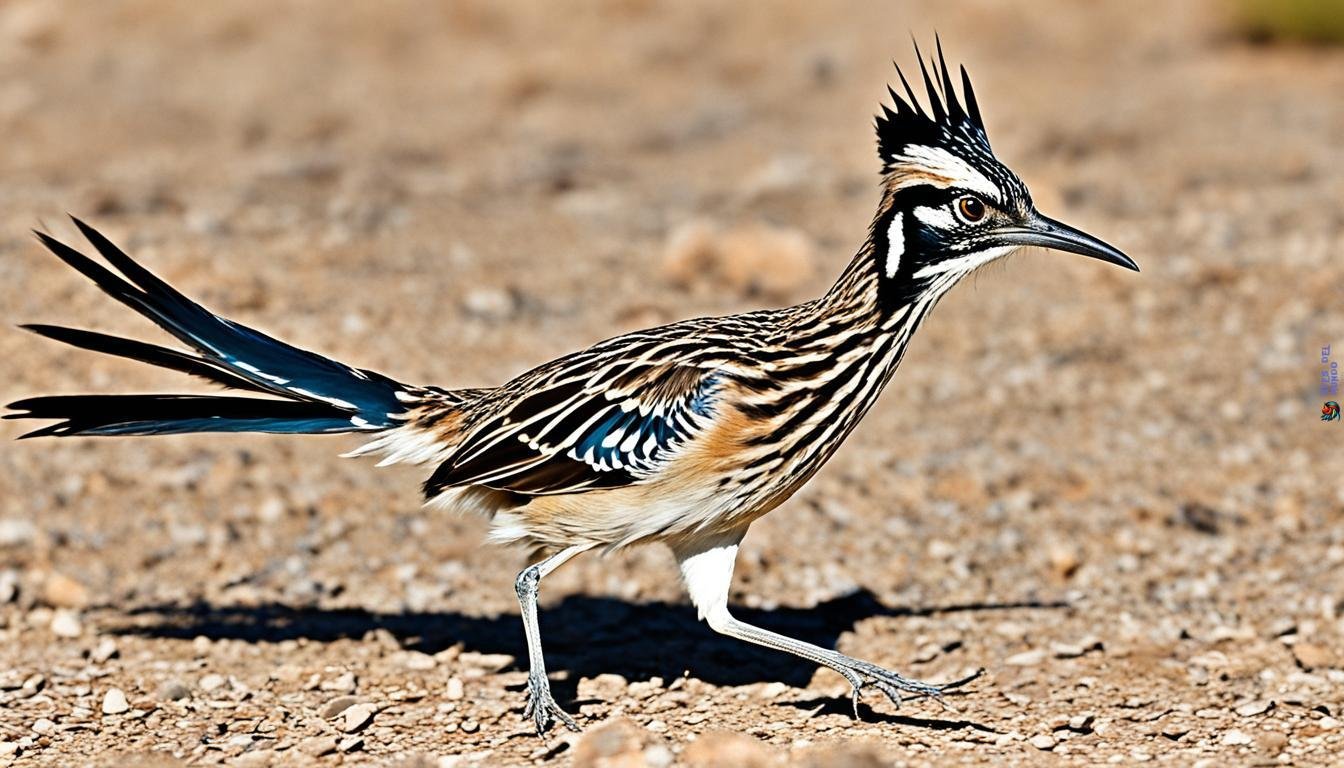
[(683, 434)]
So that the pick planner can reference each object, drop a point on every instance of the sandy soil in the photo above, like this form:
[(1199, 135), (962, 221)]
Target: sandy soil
[(1110, 490)]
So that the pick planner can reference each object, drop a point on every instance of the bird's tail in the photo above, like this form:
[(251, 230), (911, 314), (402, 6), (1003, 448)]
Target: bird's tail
[(306, 393)]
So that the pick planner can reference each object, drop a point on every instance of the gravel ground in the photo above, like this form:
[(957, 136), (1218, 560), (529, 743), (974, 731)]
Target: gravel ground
[(1110, 490)]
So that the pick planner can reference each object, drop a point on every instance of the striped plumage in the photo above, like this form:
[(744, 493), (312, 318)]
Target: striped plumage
[(682, 434)]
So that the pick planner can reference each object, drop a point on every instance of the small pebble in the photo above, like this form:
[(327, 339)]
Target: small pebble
[(212, 682), (44, 726), (1043, 741), (492, 662), (336, 706), (1253, 708), (1026, 658), (357, 716), (172, 690), (1312, 656), (61, 591), (454, 690), (114, 702), (345, 683), (65, 623), (350, 743), (9, 748), (318, 746), (105, 650), (471, 726), (417, 661), (1236, 738)]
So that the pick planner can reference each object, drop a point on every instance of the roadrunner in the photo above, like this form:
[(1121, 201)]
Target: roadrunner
[(683, 434)]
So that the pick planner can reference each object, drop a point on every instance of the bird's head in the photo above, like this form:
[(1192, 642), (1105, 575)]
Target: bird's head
[(949, 205)]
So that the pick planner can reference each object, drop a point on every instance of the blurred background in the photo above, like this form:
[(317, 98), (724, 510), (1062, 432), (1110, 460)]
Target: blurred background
[(1112, 490)]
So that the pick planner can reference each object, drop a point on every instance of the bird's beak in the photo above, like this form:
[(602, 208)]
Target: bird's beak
[(1048, 233)]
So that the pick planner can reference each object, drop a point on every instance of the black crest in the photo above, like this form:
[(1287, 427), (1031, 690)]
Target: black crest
[(947, 124)]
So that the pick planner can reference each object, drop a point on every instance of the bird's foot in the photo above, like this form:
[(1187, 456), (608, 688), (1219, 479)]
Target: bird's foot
[(541, 708), (896, 687)]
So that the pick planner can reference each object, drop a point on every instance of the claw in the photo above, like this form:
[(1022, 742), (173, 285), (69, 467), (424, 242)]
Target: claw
[(541, 708)]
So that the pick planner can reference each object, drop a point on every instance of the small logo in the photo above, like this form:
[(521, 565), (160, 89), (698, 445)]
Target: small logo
[(1330, 411)]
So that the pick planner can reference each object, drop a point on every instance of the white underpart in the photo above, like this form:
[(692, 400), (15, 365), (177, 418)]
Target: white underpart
[(940, 162), (967, 263), (938, 217), (895, 244)]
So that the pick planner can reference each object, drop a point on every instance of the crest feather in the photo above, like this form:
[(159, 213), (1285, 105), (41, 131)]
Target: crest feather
[(946, 123)]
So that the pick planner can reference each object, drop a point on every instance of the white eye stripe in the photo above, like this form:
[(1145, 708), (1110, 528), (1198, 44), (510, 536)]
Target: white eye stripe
[(938, 217), (895, 244), (939, 162)]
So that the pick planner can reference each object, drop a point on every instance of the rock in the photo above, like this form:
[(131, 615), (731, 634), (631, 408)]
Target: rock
[(721, 748), (104, 651), (490, 303), (172, 690), (201, 645), (345, 683), (1043, 742), (357, 717), (658, 756), (1074, 650), (1082, 723), (16, 532), (490, 662), (114, 702), (31, 685), (1026, 658), (212, 682), (753, 260), (1253, 708), (65, 623), (44, 727), (9, 749), (318, 746), (471, 726), (1064, 561), (1237, 738), (336, 706), (417, 661), (604, 686), (350, 744), (454, 690), (643, 689), (61, 591), (616, 743), (9, 586), (1311, 656)]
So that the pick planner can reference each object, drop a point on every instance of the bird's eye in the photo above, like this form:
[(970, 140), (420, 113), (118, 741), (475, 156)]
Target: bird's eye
[(970, 209)]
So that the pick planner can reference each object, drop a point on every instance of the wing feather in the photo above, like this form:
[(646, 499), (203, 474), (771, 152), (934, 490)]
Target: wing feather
[(578, 434)]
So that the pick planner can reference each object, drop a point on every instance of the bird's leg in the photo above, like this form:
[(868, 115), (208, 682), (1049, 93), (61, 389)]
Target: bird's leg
[(541, 707), (707, 569)]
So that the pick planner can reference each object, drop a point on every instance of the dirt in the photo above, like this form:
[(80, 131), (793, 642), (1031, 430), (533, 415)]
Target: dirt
[(1112, 491)]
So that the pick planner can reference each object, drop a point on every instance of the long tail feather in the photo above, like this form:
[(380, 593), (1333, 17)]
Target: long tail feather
[(174, 414), (145, 353), (319, 394)]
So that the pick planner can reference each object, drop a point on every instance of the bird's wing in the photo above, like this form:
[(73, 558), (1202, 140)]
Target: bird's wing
[(577, 434)]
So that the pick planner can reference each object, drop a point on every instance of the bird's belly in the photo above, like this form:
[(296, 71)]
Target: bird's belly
[(619, 516)]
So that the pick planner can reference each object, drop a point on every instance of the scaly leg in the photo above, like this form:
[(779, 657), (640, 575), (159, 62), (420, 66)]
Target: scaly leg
[(541, 706), (707, 570)]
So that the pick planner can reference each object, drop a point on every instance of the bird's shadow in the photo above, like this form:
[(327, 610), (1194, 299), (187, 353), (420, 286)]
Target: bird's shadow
[(583, 635)]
